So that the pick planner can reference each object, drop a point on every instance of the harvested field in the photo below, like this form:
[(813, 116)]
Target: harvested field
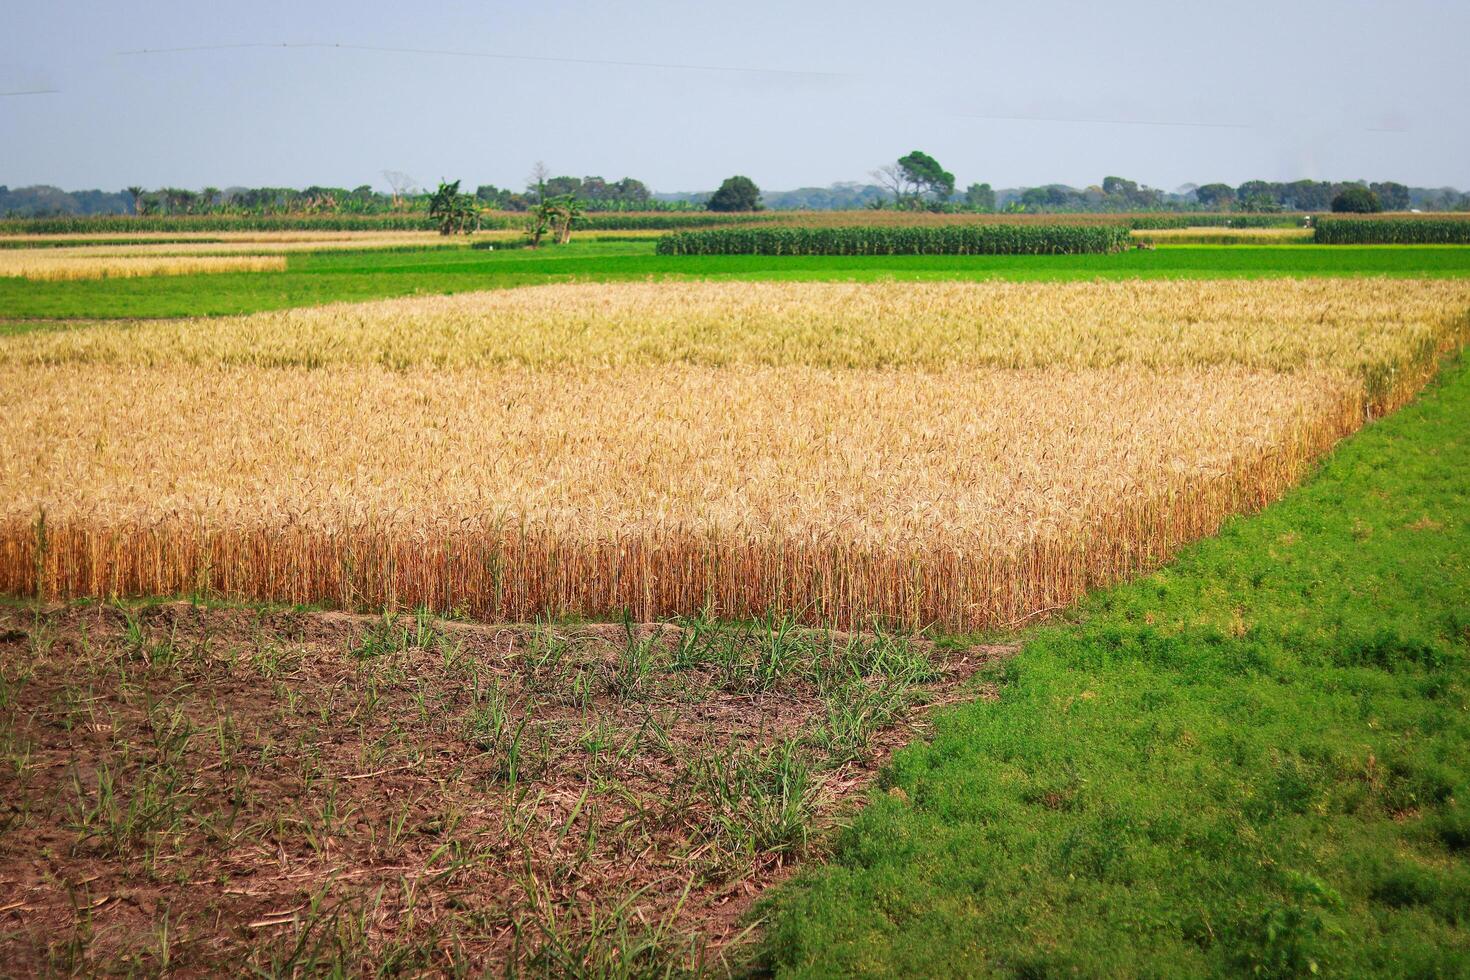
[(961, 454), (59, 264), (201, 790)]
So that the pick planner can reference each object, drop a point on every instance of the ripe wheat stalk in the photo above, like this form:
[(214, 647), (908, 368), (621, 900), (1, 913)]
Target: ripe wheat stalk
[(57, 264), (963, 454)]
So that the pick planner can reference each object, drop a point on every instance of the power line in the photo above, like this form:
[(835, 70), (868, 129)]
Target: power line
[(485, 54)]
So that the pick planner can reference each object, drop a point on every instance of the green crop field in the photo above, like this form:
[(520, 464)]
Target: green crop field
[(312, 279)]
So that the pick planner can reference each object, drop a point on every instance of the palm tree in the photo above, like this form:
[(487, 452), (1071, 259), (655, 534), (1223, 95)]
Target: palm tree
[(137, 195)]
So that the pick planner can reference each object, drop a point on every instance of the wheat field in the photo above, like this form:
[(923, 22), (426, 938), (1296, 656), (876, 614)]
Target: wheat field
[(64, 264), (1377, 327), (959, 454)]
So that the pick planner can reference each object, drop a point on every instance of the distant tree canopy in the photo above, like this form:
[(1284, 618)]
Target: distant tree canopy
[(981, 197), (916, 180), (1215, 195), (844, 196), (736, 194), (925, 172), (597, 192), (1393, 197), (1356, 199)]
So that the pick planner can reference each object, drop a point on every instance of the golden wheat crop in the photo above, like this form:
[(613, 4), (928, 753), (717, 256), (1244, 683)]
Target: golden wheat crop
[(48, 265), (263, 246), (1223, 236), (125, 237), (929, 481), (1386, 330), (965, 454)]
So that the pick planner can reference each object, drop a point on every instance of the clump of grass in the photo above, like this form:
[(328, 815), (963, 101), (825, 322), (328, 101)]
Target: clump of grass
[(635, 664), (604, 940), (761, 803)]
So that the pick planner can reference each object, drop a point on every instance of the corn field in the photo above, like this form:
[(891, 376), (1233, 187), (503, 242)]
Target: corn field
[(945, 240), (1393, 230), (953, 453)]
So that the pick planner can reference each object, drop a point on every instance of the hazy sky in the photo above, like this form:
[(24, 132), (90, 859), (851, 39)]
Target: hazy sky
[(1278, 90)]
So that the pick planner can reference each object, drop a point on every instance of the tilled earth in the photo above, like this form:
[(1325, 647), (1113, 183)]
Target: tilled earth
[(217, 789)]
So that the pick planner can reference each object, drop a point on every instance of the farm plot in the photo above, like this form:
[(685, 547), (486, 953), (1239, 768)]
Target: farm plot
[(967, 455), (194, 790), (65, 264)]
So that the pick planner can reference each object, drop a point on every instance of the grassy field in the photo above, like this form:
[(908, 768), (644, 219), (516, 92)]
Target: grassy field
[(322, 278), (1251, 762)]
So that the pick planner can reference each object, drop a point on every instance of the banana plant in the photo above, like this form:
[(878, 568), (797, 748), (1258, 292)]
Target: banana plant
[(566, 209)]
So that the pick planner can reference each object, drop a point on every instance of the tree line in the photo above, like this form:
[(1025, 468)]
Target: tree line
[(913, 181)]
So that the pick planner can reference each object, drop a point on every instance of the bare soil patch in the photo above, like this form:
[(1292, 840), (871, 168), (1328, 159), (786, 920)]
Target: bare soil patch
[(209, 789)]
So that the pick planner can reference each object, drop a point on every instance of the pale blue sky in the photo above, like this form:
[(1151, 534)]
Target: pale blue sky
[(1342, 89)]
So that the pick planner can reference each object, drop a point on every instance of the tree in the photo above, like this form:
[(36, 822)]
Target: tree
[(1356, 199), (1259, 195), (562, 211), (1121, 192), (1393, 196), (561, 186), (538, 222), (1054, 196), (736, 194), (896, 180), (402, 185), (633, 191), (136, 193), (980, 196), (456, 213), (925, 173), (177, 200), (1215, 195), (910, 177), (536, 181), (1308, 195)]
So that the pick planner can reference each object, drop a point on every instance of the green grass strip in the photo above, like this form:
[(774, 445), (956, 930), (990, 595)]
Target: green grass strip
[(314, 279), (1256, 761)]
